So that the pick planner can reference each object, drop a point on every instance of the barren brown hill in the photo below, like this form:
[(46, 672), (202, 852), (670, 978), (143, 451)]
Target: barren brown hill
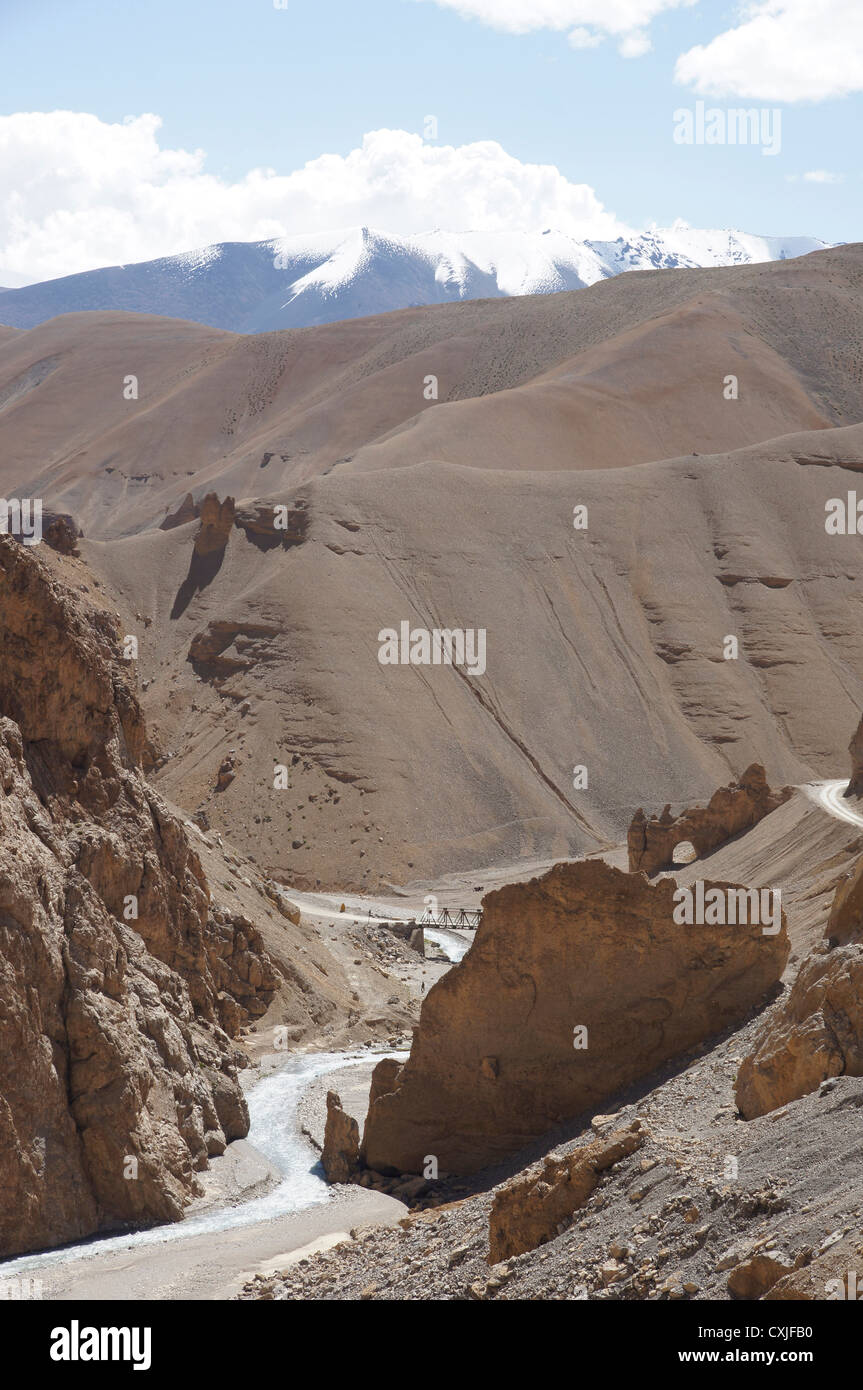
[(605, 650), (627, 371), (607, 647)]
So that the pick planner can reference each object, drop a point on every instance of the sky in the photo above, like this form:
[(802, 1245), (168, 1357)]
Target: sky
[(129, 131)]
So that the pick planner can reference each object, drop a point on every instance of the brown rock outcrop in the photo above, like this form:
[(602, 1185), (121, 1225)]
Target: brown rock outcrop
[(756, 1276), (267, 528), (528, 1211), (731, 810), (226, 648), (578, 983), (217, 518), (117, 1078), (340, 1154), (815, 1034), (817, 1031), (834, 1273), (855, 748), (385, 1078), (61, 532)]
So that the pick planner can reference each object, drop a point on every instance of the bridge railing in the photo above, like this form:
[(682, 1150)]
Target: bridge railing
[(468, 918)]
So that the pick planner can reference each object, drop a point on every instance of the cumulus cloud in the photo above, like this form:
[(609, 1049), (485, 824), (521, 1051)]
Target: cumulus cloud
[(783, 50), (586, 19), (77, 193)]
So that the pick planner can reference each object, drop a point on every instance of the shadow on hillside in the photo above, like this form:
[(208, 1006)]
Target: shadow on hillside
[(202, 572)]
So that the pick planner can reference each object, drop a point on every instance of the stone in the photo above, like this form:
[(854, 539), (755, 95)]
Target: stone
[(227, 773), (61, 533), (217, 518), (340, 1154), (528, 1210), (753, 1279), (816, 1032), (410, 1189), (288, 910), (834, 1273)]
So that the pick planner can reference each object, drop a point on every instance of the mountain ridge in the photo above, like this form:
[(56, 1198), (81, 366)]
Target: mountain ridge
[(305, 281)]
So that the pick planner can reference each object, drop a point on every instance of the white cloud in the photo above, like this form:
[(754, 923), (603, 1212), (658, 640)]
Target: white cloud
[(634, 45), (822, 176), (784, 50), (77, 193), (584, 38), (587, 19)]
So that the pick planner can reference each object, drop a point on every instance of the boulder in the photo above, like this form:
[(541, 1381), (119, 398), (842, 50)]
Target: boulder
[(754, 1278), (833, 1273), (61, 533), (384, 1078), (816, 1031), (340, 1154), (528, 1210), (267, 528), (501, 1054)]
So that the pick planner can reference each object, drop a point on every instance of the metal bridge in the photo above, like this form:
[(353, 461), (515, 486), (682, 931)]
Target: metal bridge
[(468, 918)]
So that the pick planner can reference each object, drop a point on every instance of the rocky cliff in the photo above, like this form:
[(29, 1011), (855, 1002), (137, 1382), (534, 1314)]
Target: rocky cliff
[(118, 987), (731, 810), (816, 1031), (855, 748), (578, 983)]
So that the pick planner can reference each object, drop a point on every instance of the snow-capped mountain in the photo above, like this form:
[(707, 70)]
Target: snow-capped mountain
[(293, 282)]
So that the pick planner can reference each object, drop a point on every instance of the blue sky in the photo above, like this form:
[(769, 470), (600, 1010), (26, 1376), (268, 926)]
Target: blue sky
[(255, 86)]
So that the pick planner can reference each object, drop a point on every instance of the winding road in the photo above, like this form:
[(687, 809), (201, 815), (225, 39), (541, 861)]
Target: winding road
[(830, 796)]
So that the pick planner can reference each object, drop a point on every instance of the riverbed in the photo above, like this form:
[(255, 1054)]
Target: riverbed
[(212, 1253)]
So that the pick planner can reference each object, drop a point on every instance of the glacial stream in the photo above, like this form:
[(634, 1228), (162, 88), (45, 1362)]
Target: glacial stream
[(275, 1132), (454, 947)]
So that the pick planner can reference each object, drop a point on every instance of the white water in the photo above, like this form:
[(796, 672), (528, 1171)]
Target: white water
[(454, 947), (274, 1130)]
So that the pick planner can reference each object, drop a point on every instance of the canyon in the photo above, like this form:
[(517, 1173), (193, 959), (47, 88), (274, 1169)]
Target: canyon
[(201, 843)]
